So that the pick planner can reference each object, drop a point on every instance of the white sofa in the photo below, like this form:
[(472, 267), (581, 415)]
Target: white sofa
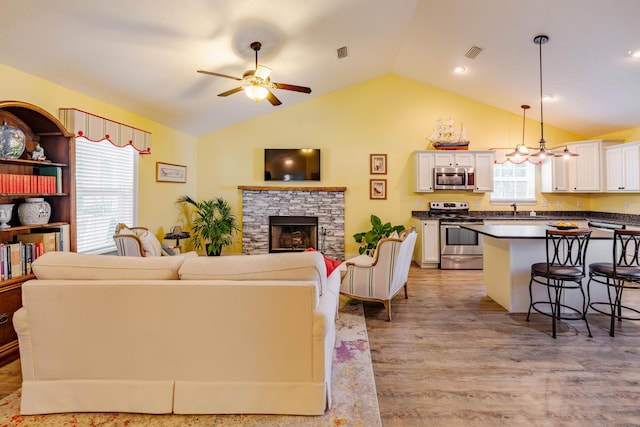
[(203, 335)]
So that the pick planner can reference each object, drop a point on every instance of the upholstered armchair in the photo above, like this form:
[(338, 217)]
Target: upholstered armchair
[(136, 241), (382, 276)]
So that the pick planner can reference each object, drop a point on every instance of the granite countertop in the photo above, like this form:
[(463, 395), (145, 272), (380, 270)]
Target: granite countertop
[(603, 217), (516, 231)]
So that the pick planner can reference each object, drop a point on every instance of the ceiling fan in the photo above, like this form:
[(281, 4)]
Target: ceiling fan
[(256, 83)]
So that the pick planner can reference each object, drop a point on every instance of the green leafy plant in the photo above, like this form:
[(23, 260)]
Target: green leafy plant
[(368, 240), (212, 224)]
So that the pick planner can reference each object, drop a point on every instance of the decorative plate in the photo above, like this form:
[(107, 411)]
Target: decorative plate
[(562, 226), (12, 142)]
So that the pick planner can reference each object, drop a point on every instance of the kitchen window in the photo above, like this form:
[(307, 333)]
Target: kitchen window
[(514, 182)]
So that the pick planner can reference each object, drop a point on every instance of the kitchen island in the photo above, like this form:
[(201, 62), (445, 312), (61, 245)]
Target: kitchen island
[(509, 251)]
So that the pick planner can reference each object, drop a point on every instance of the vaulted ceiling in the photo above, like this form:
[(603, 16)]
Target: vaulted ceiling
[(142, 55)]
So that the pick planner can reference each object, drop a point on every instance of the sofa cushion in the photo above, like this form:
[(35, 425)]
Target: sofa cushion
[(289, 266), (330, 263), (74, 266)]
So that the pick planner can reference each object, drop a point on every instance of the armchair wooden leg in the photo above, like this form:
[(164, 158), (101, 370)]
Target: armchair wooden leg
[(406, 296), (387, 306)]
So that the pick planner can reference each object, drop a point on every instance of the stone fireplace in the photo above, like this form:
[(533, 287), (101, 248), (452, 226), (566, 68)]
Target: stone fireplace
[(324, 204)]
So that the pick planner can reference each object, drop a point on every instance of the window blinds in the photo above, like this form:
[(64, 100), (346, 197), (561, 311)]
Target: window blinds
[(106, 193)]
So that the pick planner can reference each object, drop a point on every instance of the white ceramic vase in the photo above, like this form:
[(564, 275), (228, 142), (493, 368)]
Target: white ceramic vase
[(5, 214), (34, 211)]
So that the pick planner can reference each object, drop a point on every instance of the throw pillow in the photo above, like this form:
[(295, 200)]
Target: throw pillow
[(330, 263)]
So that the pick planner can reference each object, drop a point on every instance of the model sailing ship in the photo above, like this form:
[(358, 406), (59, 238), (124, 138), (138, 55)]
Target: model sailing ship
[(446, 136)]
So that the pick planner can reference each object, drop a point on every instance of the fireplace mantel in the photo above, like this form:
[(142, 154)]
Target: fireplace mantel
[(283, 188)]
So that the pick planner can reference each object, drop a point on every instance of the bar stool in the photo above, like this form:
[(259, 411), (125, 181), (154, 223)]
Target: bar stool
[(623, 273), (564, 269)]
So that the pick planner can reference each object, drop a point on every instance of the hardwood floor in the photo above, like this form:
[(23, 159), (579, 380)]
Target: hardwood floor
[(451, 356)]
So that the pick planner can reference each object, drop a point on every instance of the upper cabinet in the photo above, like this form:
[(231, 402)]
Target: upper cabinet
[(423, 168), (453, 158), (584, 173), (426, 160), (623, 167), (484, 162)]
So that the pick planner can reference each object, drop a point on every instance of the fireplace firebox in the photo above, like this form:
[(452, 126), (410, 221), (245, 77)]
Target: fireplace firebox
[(293, 233)]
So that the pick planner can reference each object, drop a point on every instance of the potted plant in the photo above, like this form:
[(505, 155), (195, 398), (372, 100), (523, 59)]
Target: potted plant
[(368, 240), (212, 224)]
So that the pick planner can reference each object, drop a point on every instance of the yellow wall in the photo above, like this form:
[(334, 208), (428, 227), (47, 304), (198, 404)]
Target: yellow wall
[(391, 115), (156, 208)]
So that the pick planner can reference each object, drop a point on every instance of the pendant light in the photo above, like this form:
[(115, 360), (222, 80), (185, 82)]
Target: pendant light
[(543, 152), (521, 149)]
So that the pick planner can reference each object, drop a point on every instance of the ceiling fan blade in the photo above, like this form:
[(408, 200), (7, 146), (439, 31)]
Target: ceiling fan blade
[(272, 99), (292, 87), (219, 75), (230, 92)]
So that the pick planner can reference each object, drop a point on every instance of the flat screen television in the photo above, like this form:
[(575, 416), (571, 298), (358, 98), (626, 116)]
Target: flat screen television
[(292, 164)]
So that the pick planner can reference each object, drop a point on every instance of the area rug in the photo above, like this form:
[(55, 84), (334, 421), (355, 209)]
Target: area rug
[(355, 402)]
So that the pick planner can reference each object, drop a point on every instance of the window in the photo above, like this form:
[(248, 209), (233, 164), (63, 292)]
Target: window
[(514, 182), (106, 193)]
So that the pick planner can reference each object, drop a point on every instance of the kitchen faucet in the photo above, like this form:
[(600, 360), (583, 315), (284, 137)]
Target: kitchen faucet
[(515, 207)]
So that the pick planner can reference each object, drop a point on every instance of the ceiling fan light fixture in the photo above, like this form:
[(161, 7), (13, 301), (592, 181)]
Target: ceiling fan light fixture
[(255, 92), (262, 72)]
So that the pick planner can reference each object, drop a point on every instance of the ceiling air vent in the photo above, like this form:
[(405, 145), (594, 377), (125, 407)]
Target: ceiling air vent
[(473, 52), (342, 52)]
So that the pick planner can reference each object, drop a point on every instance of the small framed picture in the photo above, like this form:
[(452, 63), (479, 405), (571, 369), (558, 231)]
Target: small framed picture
[(167, 172), (378, 189), (378, 164)]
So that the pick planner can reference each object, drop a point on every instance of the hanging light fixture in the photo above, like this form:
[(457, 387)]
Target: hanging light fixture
[(521, 149), (542, 149), (543, 152)]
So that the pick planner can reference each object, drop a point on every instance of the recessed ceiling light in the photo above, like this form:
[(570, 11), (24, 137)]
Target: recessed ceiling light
[(634, 53), (459, 69), (548, 97)]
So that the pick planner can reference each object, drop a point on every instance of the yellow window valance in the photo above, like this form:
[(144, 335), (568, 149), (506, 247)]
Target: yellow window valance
[(96, 128)]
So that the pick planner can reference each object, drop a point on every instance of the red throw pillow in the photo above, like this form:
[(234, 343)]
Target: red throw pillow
[(330, 263)]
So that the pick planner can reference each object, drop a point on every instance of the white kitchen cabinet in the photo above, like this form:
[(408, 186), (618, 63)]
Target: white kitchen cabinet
[(554, 175), (623, 167), (423, 169), (426, 160), (453, 158), (484, 171), (426, 252), (584, 173)]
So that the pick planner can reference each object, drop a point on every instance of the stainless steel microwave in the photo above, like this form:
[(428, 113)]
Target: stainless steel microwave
[(454, 178)]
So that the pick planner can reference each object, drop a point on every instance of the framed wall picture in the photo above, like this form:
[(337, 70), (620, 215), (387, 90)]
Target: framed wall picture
[(378, 164), (378, 189), (167, 172)]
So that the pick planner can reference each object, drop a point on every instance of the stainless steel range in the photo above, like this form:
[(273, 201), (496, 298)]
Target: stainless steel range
[(460, 249)]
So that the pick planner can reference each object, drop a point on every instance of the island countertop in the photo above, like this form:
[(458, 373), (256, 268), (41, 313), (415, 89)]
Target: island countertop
[(508, 231), (510, 250)]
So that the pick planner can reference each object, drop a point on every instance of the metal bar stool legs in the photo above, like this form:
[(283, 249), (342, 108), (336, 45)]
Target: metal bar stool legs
[(563, 270), (620, 274)]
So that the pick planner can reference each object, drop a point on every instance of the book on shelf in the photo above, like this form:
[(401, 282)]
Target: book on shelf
[(62, 236), (16, 258), (56, 172), (32, 184), (48, 239)]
